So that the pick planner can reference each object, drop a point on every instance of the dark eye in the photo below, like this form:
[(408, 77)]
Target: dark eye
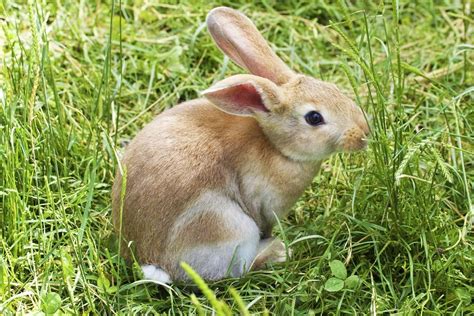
[(314, 118)]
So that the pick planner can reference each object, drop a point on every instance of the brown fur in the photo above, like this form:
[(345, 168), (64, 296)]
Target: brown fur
[(256, 165), (158, 170)]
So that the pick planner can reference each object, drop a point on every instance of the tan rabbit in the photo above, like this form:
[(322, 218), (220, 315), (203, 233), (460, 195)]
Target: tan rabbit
[(207, 178)]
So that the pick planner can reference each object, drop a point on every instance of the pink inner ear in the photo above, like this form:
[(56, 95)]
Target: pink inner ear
[(241, 98), (247, 95)]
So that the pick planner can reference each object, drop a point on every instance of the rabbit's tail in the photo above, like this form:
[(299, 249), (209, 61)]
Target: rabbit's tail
[(152, 272)]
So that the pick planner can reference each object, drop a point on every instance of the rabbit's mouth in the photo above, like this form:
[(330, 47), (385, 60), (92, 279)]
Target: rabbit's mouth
[(352, 140)]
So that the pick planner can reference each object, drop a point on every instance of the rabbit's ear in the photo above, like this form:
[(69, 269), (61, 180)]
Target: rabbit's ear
[(239, 39), (244, 95)]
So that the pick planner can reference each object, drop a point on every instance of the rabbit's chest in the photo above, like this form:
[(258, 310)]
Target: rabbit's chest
[(270, 195)]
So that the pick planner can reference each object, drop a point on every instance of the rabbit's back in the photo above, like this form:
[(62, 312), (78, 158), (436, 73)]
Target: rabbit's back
[(187, 150)]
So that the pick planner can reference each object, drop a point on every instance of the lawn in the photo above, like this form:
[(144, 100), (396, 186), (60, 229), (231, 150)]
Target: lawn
[(78, 79)]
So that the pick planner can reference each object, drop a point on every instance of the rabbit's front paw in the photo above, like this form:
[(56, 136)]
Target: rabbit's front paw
[(271, 250)]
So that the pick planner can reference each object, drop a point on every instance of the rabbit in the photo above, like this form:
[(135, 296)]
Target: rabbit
[(207, 179)]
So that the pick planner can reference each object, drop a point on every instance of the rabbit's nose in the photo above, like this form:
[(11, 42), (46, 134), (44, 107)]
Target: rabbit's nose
[(354, 139), (364, 126), (366, 131)]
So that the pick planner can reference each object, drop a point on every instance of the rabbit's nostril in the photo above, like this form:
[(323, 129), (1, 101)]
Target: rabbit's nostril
[(365, 132)]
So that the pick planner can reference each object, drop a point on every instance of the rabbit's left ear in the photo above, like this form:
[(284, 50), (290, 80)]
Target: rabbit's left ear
[(244, 95), (239, 39)]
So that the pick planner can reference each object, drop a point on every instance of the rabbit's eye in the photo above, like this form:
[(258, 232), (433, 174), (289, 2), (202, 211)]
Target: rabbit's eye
[(314, 118)]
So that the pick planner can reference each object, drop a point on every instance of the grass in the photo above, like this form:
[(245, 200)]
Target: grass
[(80, 77)]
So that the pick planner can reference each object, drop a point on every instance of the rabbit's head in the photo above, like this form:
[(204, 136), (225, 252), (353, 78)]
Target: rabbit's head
[(305, 118)]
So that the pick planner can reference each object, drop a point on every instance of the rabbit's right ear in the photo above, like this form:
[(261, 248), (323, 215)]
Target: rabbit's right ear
[(244, 95), (239, 39)]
